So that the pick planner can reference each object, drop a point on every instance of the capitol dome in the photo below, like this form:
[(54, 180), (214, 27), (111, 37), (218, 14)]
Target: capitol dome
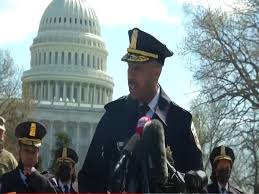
[(68, 78), (75, 16)]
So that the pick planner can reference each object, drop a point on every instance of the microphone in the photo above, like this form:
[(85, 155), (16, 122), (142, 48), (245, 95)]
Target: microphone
[(133, 141), (154, 143), (126, 153)]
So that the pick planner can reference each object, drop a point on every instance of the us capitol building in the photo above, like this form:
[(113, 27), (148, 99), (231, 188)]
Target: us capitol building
[(68, 77)]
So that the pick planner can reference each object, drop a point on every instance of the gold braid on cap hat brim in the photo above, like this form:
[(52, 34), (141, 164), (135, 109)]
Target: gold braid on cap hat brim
[(222, 157), (143, 53), (65, 159), (130, 57), (31, 142)]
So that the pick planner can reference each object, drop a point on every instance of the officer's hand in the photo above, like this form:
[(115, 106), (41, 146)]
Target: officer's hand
[(195, 180)]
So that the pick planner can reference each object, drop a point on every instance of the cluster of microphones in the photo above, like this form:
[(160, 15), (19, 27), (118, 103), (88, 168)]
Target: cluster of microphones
[(150, 139)]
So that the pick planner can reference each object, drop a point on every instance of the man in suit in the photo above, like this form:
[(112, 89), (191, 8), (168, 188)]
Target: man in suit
[(25, 178), (65, 175), (145, 57), (222, 159)]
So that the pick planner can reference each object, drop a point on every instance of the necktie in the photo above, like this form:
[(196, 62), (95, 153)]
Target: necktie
[(66, 189), (142, 110), (223, 189)]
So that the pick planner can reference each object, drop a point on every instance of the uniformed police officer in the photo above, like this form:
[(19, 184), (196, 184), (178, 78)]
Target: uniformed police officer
[(7, 160), (145, 57), (222, 159), (25, 178), (65, 174)]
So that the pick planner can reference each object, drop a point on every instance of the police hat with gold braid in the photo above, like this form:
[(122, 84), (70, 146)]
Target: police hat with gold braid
[(66, 155), (30, 133), (222, 153), (144, 47)]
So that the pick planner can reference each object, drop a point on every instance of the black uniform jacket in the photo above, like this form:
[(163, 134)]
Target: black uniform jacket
[(118, 124), (36, 183), (214, 188)]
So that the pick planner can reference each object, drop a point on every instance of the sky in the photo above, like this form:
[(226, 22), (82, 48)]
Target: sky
[(163, 19)]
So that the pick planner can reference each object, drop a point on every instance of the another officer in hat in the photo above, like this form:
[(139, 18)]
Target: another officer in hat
[(145, 58), (25, 178), (65, 174), (222, 159), (7, 160)]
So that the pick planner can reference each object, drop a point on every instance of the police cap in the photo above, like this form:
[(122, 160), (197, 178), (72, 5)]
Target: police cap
[(222, 153), (144, 47), (30, 133), (65, 154)]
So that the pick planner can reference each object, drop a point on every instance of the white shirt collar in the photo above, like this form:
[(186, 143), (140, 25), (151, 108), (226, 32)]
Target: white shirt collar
[(220, 187), (153, 103), (23, 177), (63, 184)]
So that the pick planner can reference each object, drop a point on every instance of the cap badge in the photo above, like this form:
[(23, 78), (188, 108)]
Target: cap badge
[(33, 130)]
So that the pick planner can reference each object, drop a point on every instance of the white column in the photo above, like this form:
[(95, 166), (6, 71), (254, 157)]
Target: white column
[(94, 94), (107, 95), (77, 137), (45, 92), (82, 93), (41, 91), (87, 94), (100, 95), (91, 94), (49, 92), (72, 92), (84, 90), (79, 93), (64, 92), (90, 60), (56, 91), (35, 90), (103, 91), (65, 57), (103, 96), (79, 58), (72, 58)]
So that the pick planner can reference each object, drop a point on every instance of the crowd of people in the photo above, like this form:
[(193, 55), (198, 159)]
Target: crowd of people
[(115, 161)]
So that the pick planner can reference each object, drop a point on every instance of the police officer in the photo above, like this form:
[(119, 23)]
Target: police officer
[(25, 178), (145, 57), (65, 174), (7, 160), (222, 159)]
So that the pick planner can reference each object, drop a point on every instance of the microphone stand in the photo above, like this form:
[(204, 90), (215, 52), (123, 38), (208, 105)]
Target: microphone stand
[(119, 174), (176, 178)]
